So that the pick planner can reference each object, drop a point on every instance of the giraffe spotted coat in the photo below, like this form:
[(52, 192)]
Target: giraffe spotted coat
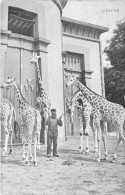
[(6, 113)]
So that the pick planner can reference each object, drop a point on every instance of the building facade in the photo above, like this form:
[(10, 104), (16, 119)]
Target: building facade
[(65, 46)]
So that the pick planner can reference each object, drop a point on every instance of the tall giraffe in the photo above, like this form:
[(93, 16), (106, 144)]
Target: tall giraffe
[(30, 118), (6, 113), (43, 101), (85, 110), (102, 110)]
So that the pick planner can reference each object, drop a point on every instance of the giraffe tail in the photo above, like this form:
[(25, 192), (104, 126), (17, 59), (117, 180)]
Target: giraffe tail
[(16, 125), (124, 122), (16, 128), (38, 129), (124, 125), (14, 112)]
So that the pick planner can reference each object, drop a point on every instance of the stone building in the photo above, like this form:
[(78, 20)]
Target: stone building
[(65, 46)]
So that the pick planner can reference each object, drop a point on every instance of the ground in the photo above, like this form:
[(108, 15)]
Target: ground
[(70, 174)]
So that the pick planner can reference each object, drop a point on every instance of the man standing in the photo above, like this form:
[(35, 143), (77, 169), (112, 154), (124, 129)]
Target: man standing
[(52, 133)]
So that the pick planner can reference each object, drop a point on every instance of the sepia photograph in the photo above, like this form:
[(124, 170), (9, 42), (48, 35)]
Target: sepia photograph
[(62, 97)]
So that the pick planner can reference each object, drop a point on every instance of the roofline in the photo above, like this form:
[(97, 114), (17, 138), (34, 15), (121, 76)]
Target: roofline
[(104, 29)]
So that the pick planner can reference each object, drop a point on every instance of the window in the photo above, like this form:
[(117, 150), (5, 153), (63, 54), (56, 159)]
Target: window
[(21, 21), (74, 61)]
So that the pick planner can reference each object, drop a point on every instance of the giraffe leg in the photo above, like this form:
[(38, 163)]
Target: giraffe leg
[(104, 133), (6, 143), (96, 142), (11, 144), (21, 122), (115, 153), (99, 150), (95, 134), (105, 147), (6, 138), (81, 143), (116, 148), (123, 163), (99, 137), (87, 121), (24, 152), (38, 141), (29, 156), (81, 135), (11, 134), (87, 144), (38, 138), (38, 130), (121, 136), (34, 147)]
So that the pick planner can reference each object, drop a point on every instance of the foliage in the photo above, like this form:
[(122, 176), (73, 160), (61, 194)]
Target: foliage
[(115, 50), (115, 85), (115, 76)]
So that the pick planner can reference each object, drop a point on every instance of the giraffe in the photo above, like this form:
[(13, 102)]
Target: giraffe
[(30, 118), (85, 110), (102, 110), (43, 101), (7, 111), (83, 115)]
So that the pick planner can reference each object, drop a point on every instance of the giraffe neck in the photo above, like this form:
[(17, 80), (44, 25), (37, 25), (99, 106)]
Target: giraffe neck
[(74, 98), (39, 80), (43, 94), (19, 95), (89, 95), (78, 95)]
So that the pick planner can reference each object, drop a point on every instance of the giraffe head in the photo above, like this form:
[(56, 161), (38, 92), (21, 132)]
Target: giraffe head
[(34, 58), (71, 80), (79, 105), (70, 109), (9, 83), (41, 105), (39, 102)]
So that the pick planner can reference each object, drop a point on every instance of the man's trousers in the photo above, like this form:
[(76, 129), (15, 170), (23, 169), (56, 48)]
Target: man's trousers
[(50, 140)]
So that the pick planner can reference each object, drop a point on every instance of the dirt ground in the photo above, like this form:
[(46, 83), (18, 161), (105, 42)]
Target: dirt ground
[(70, 174)]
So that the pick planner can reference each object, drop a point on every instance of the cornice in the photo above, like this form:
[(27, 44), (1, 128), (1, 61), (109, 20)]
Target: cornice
[(81, 29), (81, 37), (39, 44), (4, 35), (41, 40), (6, 32), (87, 72)]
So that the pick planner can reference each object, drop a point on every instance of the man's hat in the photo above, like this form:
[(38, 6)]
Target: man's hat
[(53, 110)]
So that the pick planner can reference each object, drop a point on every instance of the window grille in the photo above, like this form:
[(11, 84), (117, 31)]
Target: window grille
[(21, 21)]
